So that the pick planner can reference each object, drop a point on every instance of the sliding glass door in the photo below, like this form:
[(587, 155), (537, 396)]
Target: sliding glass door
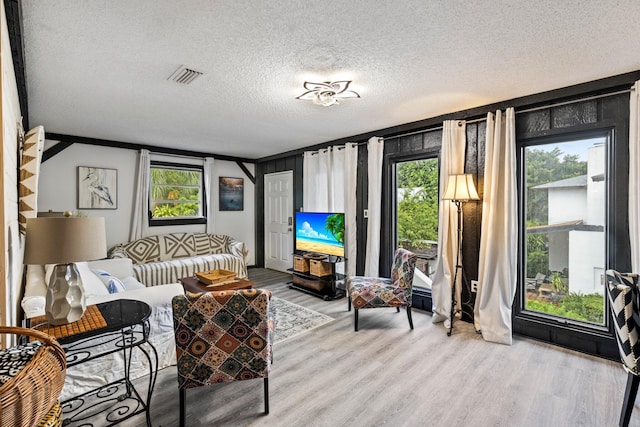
[(417, 214)]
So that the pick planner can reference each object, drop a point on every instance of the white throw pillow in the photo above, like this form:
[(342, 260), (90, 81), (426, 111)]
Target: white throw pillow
[(91, 284), (131, 283), (112, 283)]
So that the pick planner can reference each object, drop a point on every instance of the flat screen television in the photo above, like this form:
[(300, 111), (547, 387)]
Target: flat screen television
[(320, 232)]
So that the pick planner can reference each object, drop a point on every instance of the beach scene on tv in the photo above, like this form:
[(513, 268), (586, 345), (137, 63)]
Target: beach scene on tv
[(320, 232)]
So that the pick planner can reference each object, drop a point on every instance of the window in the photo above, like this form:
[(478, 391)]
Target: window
[(176, 194), (417, 214), (565, 196)]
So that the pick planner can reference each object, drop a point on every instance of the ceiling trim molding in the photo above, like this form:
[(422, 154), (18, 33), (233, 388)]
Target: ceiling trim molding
[(13, 12), (56, 149), (247, 172), (133, 146), (592, 88)]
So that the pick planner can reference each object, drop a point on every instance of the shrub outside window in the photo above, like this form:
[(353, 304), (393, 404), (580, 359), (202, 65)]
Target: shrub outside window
[(176, 194)]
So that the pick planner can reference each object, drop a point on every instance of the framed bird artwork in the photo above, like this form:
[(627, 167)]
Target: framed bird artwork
[(97, 188)]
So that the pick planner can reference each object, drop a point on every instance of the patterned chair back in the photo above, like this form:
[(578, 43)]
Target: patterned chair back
[(223, 336), (404, 264), (622, 291)]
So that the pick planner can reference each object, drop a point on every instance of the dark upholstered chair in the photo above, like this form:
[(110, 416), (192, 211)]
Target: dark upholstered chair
[(622, 290), (373, 292), (223, 336)]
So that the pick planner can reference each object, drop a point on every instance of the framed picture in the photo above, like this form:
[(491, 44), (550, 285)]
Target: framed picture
[(231, 191), (97, 188)]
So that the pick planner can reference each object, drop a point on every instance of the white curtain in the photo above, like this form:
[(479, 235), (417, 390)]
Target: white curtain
[(140, 221), (454, 141), (323, 178), (634, 176), (375, 149), (497, 269), (329, 182), (209, 187), (350, 182), (313, 183)]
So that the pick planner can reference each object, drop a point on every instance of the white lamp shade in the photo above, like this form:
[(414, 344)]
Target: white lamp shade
[(62, 240), (460, 187)]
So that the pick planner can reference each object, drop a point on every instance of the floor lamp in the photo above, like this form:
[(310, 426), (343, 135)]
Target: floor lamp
[(460, 188)]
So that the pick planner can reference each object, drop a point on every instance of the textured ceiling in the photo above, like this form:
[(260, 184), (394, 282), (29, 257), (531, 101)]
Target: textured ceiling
[(99, 69)]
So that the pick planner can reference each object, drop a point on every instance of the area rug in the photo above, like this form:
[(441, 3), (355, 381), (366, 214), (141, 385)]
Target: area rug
[(293, 319)]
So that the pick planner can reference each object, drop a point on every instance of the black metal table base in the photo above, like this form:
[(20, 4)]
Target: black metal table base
[(107, 405), (126, 333), (115, 402)]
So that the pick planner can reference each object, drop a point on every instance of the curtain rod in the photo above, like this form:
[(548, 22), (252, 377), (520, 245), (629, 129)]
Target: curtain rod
[(433, 129), (527, 110), (573, 101)]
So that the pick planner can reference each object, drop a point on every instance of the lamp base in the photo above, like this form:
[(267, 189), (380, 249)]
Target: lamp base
[(65, 302)]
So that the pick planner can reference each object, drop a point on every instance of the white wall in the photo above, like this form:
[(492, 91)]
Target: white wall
[(11, 116), (58, 184), (596, 190), (237, 223), (558, 251), (586, 260), (567, 204), (58, 191)]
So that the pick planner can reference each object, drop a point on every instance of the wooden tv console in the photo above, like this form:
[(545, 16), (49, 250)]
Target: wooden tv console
[(316, 275)]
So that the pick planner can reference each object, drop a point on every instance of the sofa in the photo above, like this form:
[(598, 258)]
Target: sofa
[(166, 258), (98, 281)]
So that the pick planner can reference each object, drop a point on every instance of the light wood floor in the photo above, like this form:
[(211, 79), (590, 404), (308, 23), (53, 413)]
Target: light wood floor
[(386, 374)]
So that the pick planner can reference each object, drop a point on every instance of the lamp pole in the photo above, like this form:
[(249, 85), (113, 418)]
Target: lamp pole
[(458, 204)]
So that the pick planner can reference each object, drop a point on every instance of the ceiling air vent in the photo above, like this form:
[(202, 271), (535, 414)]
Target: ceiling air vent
[(184, 75)]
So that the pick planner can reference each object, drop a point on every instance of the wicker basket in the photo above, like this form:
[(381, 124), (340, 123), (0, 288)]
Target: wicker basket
[(26, 398), (300, 264), (320, 268)]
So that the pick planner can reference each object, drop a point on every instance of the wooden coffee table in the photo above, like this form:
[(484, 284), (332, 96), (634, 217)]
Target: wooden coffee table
[(192, 284)]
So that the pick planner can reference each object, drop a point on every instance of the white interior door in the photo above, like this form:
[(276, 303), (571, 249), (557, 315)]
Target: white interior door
[(278, 220)]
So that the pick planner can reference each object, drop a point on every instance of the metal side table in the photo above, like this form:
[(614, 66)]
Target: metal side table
[(120, 325)]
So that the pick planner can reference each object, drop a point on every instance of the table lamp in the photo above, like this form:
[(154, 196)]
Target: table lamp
[(63, 241), (460, 188)]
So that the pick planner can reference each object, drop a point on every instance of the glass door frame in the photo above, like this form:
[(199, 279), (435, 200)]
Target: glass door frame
[(551, 328), (422, 297)]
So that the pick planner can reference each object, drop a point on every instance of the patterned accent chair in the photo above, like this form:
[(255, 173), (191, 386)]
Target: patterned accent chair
[(221, 337), (622, 290), (373, 292)]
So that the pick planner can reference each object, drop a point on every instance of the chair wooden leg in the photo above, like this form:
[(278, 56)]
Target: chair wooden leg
[(183, 409), (629, 399), (397, 309), (266, 395), (356, 318), (409, 316), (349, 303)]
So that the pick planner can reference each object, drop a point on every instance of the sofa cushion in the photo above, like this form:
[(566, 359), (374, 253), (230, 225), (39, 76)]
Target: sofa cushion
[(203, 243), (219, 243), (140, 251), (176, 245), (132, 284), (112, 283), (119, 267)]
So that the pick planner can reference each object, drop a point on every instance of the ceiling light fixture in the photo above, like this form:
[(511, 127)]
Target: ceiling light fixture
[(327, 93)]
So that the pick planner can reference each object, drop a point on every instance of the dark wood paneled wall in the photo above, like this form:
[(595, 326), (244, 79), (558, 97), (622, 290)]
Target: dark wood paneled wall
[(563, 116)]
